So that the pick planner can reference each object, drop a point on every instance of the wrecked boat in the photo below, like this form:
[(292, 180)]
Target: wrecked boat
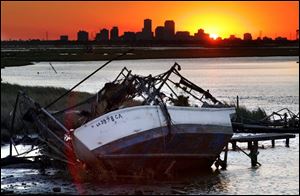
[(163, 123), (138, 126)]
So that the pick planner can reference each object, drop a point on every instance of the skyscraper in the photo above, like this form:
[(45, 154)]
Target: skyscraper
[(147, 25), (147, 33), (114, 34), (103, 35), (169, 31), (159, 33), (82, 36)]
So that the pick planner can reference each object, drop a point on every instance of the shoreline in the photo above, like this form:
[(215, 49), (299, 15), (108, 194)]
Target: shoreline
[(23, 58)]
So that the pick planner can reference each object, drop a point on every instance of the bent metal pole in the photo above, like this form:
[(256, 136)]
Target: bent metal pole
[(87, 78)]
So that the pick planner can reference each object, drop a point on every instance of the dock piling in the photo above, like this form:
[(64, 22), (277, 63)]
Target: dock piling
[(224, 165), (249, 145), (287, 142), (233, 146), (253, 153)]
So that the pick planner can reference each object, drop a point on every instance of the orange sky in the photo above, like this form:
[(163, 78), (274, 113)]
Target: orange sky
[(32, 19)]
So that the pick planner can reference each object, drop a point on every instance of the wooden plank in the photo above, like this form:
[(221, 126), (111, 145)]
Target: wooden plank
[(262, 137), (249, 128)]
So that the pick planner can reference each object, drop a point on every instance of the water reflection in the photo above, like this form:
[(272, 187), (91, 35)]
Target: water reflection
[(269, 82), (19, 149), (279, 174)]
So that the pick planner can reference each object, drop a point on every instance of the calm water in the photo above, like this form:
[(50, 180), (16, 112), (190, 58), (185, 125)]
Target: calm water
[(269, 82), (279, 174)]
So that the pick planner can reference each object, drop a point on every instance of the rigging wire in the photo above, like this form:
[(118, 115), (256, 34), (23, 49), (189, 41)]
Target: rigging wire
[(64, 94)]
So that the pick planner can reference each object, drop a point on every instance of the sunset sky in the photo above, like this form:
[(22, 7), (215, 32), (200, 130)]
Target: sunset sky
[(31, 20)]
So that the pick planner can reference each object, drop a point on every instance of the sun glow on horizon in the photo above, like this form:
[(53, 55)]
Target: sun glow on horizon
[(223, 23), (213, 36), (34, 19)]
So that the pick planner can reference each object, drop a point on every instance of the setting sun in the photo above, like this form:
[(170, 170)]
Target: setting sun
[(213, 35), (142, 97), (224, 18)]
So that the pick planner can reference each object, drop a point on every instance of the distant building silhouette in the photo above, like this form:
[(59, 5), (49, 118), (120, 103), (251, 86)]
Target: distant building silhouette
[(247, 37), (114, 34), (147, 25), (219, 39), (281, 38), (147, 33), (201, 35), (159, 33), (182, 35), (169, 31), (265, 38), (64, 38), (102, 35), (139, 36), (82, 36), (232, 37), (129, 37)]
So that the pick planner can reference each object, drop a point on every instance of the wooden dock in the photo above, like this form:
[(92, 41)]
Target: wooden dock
[(262, 137), (252, 128), (252, 141)]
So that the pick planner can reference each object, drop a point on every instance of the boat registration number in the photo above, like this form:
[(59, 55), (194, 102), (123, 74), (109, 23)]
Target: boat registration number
[(109, 119)]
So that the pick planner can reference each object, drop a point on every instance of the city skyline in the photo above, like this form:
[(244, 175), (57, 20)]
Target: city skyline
[(49, 20), (167, 32)]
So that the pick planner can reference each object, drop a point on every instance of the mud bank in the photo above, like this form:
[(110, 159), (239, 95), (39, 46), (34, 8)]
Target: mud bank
[(26, 179)]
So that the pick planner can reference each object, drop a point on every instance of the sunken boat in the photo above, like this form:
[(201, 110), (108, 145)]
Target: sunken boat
[(163, 123)]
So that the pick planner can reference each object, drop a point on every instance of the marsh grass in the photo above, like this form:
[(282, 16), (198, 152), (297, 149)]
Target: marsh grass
[(250, 116), (42, 95), (245, 115)]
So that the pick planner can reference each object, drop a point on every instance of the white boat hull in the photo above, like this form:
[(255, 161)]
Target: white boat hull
[(125, 137)]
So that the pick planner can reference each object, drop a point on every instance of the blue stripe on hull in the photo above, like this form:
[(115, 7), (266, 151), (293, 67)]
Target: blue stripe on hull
[(189, 147)]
